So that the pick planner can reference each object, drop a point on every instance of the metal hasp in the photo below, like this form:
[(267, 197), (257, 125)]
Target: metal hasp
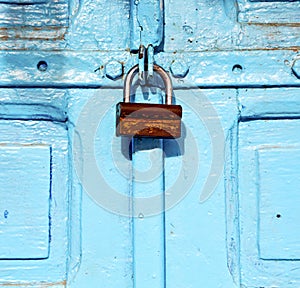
[(147, 119), (146, 23)]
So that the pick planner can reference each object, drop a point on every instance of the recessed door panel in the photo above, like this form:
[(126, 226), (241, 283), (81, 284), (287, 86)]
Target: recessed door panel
[(24, 206), (34, 210), (279, 199), (269, 157)]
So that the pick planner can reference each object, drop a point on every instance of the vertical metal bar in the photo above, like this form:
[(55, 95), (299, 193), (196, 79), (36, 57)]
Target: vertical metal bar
[(146, 23), (148, 231)]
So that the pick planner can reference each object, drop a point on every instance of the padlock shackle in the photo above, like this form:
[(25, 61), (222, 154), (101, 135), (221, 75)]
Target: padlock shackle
[(162, 73)]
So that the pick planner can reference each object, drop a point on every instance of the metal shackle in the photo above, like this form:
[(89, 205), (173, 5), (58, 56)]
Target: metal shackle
[(163, 74)]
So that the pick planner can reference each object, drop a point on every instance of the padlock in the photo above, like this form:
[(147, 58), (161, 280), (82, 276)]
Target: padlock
[(148, 119)]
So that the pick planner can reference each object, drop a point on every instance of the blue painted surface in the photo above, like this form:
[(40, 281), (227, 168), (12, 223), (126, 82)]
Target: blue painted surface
[(24, 223), (146, 23), (36, 202), (148, 233), (264, 11), (285, 178), (267, 203), (219, 205)]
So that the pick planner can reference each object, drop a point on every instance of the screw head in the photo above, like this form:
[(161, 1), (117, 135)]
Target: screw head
[(42, 66), (114, 70), (179, 69), (296, 68)]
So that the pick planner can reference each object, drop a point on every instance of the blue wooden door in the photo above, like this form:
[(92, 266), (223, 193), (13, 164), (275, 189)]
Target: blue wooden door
[(217, 207)]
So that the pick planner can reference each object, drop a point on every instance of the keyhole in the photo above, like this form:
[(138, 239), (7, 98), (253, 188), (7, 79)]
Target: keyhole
[(278, 216)]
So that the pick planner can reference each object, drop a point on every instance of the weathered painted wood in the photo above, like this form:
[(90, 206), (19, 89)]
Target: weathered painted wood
[(268, 202), (207, 69), (61, 62), (34, 14), (148, 230), (43, 217), (146, 23), (25, 226), (266, 12)]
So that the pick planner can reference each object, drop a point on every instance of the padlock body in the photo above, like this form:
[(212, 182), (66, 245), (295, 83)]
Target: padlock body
[(148, 120)]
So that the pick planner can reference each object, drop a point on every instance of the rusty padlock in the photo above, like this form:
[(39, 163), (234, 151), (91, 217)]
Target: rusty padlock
[(147, 119)]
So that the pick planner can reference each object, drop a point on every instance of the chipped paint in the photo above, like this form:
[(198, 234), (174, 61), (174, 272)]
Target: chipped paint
[(36, 284), (239, 56)]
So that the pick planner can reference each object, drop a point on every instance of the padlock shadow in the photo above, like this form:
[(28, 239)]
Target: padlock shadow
[(171, 147), (175, 147)]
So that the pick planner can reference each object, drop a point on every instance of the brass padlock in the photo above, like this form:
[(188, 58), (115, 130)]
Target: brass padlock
[(147, 119)]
